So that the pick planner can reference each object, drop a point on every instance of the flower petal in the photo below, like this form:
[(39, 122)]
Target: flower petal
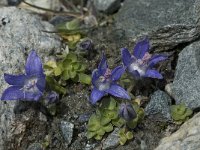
[(153, 74), (141, 48), (41, 82), (15, 79), (118, 91), (155, 59), (117, 73), (126, 56), (96, 95), (32, 96), (34, 64), (95, 76), (13, 93), (103, 65), (135, 73)]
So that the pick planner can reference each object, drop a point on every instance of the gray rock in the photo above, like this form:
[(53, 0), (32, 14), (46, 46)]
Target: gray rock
[(90, 146), (67, 131), (186, 138), (159, 106), (27, 31), (19, 33), (112, 140), (107, 6), (35, 146), (166, 23), (3, 2), (186, 85)]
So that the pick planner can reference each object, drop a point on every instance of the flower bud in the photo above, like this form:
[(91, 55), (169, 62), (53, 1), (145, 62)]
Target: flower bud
[(127, 112)]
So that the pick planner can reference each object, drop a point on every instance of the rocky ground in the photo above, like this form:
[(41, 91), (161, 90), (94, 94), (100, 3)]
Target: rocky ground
[(172, 27)]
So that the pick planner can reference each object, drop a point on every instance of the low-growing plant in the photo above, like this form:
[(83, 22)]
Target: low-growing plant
[(108, 116), (69, 68), (124, 136), (180, 113)]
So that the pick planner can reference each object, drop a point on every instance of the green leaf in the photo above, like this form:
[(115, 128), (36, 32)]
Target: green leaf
[(132, 124), (83, 78), (189, 112), (118, 122), (98, 137), (76, 65), (105, 121), (65, 75), (57, 71), (67, 64), (51, 64), (73, 25), (53, 84), (101, 131), (122, 140), (112, 114), (90, 134), (94, 123), (72, 74), (72, 57), (81, 68), (129, 135), (108, 128), (109, 104)]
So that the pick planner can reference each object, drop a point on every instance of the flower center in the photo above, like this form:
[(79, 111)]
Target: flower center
[(104, 81), (138, 66), (30, 85)]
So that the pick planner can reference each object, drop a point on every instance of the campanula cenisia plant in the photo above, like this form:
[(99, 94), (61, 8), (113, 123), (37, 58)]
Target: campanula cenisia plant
[(29, 86), (141, 63), (104, 82), (180, 113)]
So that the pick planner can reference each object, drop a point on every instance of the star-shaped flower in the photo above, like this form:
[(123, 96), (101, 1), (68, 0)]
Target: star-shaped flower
[(141, 63), (28, 86), (104, 82)]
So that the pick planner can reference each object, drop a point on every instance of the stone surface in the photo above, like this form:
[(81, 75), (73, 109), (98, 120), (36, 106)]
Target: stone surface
[(46, 4), (186, 138), (14, 2), (166, 23), (3, 2), (112, 140), (19, 33), (67, 131), (35, 146), (186, 85), (159, 106), (107, 6), (27, 31)]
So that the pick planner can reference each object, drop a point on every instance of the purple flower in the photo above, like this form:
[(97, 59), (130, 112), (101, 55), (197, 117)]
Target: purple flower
[(28, 86), (104, 81), (127, 112), (140, 64), (52, 96)]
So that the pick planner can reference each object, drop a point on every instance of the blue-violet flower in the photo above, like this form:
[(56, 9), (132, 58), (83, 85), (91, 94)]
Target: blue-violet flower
[(140, 64), (127, 112), (29, 86), (104, 82)]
